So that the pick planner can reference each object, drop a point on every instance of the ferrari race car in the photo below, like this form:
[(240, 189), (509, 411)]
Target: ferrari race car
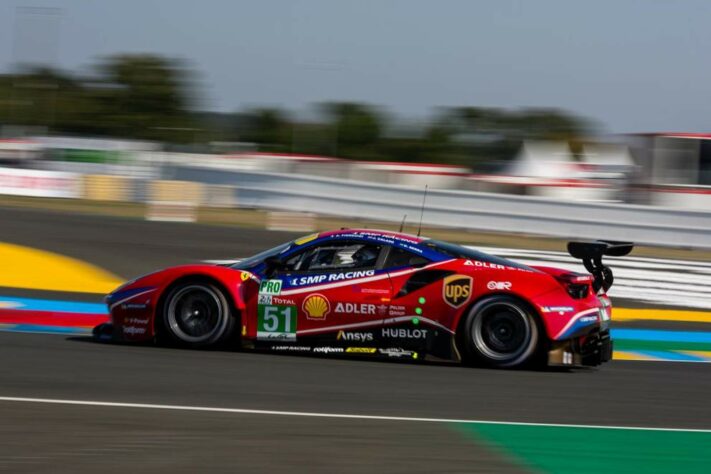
[(378, 294)]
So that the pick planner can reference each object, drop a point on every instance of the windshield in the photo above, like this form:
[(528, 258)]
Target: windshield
[(459, 251), (260, 257)]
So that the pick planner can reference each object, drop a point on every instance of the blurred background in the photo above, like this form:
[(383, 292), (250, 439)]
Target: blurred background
[(140, 134), (513, 99)]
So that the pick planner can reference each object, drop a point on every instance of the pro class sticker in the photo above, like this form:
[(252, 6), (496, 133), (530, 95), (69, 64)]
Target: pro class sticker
[(456, 290), (270, 287)]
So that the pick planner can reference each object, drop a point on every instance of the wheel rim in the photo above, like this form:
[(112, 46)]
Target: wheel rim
[(502, 332), (195, 313)]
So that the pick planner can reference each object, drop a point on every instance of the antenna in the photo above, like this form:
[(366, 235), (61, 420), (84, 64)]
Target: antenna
[(422, 211), (402, 223)]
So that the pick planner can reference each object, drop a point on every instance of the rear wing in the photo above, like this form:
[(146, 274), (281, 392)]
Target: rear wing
[(591, 253)]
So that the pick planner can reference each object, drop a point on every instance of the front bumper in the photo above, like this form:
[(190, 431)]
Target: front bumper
[(590, 350)]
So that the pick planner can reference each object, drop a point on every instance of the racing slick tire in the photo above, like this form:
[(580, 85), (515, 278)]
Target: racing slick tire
[(196, 314), (500, 331)]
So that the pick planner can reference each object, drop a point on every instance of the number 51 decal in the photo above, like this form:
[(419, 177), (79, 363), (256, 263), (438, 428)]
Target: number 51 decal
[(276, 322)]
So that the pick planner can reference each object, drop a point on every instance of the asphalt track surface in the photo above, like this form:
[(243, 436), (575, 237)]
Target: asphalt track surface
[(64, 438)]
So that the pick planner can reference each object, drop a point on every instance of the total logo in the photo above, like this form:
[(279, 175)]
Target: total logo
[(477, 263), (499, 285), (354, 336), (355, 308)]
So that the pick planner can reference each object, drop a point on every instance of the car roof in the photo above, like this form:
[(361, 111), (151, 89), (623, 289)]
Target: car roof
[(345, 232)]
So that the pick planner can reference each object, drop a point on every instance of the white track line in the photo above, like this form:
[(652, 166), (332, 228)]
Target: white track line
[(245, 411)]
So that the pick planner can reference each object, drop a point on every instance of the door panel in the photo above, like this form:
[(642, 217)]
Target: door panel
[(326, 288)]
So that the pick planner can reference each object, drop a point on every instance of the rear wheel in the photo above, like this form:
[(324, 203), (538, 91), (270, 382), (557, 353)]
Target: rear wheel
[(197, 314), (500, 332)]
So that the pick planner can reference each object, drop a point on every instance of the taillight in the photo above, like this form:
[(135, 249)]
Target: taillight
[(577, 286), (578, 292)]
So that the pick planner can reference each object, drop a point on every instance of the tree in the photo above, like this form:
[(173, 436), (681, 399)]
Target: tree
[(145, 96), (42, 97), (270, 128), (357, 128)]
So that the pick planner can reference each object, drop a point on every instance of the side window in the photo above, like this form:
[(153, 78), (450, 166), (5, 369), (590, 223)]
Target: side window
[(335, 256), (398, 257)]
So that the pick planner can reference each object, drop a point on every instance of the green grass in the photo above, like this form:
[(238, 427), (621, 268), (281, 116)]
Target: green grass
[(633, 345), (597, 450)]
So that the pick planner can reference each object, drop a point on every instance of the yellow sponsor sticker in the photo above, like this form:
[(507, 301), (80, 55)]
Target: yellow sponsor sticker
[(361, 350), (306, 239)]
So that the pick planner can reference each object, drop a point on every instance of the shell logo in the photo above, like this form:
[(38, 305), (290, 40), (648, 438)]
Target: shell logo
[(316, 306)]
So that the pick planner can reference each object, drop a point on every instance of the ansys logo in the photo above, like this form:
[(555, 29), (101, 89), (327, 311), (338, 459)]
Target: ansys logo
[(456, 290), (316, 306)]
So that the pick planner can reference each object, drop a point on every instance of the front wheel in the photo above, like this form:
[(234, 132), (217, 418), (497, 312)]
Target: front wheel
[(500, 332), (197, 314)]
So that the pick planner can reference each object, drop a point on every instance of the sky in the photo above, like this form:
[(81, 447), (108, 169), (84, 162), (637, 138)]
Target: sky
[(632, 66)]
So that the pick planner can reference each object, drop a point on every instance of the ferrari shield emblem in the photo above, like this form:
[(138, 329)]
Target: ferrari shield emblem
[(456, 290)]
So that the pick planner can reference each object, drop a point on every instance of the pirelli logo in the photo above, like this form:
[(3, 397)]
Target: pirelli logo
[(456, 290)]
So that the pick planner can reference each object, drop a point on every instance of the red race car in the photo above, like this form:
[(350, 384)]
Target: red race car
[(378, 294)]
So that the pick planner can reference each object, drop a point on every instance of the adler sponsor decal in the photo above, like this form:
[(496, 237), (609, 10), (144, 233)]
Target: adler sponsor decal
[(355, 308), (456, 290)]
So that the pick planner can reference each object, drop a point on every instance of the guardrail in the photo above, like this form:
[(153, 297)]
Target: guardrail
[(352, 199), (460, 209)]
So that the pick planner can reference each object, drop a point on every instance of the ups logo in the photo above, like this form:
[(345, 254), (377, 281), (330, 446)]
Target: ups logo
[(456, 290)]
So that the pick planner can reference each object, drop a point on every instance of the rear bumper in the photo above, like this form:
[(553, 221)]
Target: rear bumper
[(103, 332), (590, 350)]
